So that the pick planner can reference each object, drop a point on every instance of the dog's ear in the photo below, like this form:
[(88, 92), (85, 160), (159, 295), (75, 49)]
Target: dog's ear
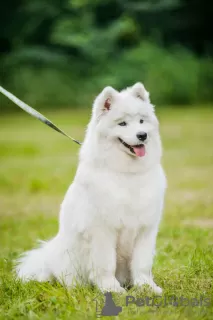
[(139, 91), (104, 100)]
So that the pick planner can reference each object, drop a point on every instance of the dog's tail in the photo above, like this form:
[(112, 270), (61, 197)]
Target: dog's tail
[(35, 264)]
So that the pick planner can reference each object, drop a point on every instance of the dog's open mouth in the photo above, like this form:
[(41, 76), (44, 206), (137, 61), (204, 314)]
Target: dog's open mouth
[(138, 150)]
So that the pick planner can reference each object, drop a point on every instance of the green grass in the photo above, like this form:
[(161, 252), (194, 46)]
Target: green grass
[(36, 167)]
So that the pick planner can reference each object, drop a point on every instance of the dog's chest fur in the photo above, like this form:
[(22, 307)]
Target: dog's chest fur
[(134, 198), (122, 200)]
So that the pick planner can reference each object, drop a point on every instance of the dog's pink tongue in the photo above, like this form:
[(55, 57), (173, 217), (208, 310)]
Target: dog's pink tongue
[(139, 151)]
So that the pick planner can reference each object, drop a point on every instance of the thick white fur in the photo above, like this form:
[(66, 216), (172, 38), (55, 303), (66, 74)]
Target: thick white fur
[(110, 216)]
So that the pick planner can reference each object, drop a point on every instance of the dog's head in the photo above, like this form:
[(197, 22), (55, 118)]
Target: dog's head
[(127, 120)]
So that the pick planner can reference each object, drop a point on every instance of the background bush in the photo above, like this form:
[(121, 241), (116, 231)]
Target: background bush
[(61, 53)]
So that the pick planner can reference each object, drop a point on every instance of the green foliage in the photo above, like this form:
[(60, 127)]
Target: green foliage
[(64, 52), (173, 76)]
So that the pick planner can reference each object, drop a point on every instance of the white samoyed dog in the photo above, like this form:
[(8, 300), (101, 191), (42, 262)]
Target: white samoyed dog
[(110, 216)]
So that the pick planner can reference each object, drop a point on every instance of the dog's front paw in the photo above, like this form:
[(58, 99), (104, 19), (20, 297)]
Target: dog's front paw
[(143, 280), (111, 285)]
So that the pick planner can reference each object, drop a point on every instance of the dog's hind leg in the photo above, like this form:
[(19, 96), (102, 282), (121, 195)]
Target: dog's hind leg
[(123, 274)]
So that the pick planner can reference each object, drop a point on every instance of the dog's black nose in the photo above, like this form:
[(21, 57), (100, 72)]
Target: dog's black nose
[(142, 136)]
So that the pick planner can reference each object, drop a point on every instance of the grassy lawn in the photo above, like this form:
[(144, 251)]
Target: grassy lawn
[(36, 167)]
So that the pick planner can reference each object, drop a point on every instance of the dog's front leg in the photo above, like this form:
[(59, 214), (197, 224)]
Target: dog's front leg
[(102, 260), (142, 258)]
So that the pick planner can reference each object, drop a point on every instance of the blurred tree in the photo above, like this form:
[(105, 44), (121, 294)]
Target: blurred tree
[(84, 36), (92, 28)]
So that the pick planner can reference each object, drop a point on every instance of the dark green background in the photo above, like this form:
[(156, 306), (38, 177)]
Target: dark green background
[(62, 52)]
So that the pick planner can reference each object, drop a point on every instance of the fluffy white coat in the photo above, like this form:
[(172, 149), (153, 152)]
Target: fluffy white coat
[(110, 216)]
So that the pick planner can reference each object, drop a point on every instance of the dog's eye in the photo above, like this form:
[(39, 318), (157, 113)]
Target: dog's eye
[(122, 124), (141, 121)]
